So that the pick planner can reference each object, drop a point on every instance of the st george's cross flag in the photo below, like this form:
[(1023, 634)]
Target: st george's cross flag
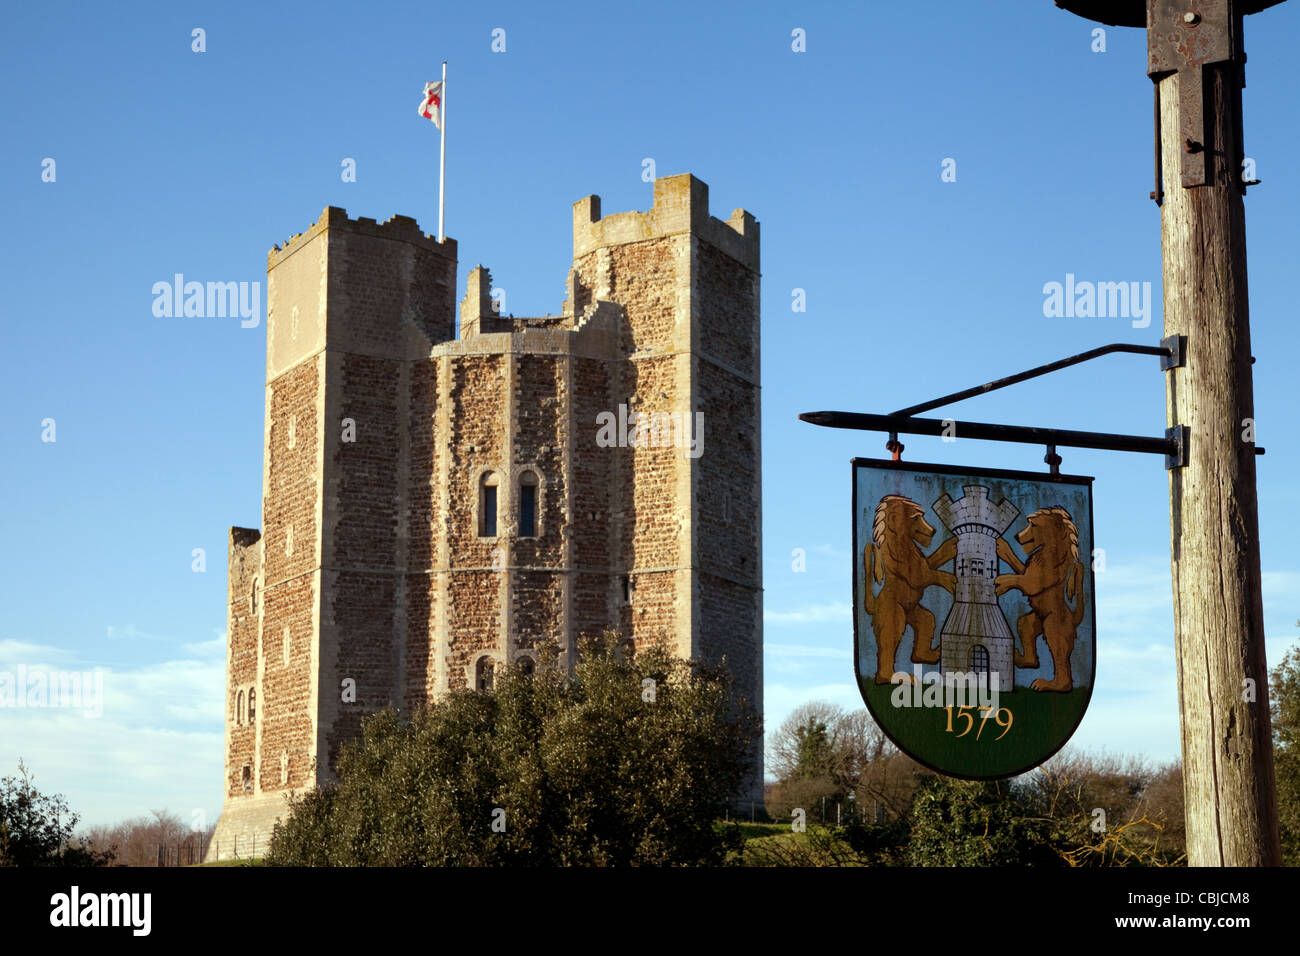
[(431, 103)]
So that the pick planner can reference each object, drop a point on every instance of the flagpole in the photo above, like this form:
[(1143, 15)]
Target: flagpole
[(442, 157)]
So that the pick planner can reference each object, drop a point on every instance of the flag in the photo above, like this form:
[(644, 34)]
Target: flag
[(431, 103)]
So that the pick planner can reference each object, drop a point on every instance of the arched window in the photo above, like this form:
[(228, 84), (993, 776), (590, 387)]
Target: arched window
[(979, 659), (239, 708), (528, 505), (483, 674), (252, 705), (487, 506)]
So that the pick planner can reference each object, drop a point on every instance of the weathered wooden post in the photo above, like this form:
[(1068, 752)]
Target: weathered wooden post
[(1196, 60)]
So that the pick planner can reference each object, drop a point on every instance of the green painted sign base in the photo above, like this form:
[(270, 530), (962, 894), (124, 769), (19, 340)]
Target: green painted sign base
[(982, 747)]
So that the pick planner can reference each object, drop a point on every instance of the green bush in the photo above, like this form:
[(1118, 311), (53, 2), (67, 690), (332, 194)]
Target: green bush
[(1284, 704), (547, 769), (977, 823)]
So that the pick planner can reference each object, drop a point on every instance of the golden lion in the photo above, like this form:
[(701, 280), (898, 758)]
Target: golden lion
[(1050, 579), (895, 560)]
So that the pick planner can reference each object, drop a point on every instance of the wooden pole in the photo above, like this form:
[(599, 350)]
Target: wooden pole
[(1231, 808)]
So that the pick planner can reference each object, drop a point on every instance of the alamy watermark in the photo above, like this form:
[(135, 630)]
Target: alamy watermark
[(1101, 300), (631, 429), (945, 689), (75, 908), (38, 689), (212, 300)]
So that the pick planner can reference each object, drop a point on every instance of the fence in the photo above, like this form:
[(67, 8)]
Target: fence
[(186, 853)]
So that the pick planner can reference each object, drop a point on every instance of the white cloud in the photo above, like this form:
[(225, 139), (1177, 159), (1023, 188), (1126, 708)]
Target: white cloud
[(804, 650), (837, 611), (787, 660), (216, 646), (14, 652), (131, 633), (158, 742)]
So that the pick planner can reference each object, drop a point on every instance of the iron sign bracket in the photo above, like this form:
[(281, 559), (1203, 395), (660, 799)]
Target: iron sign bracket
[(1174, 445), (1171, 351), (1175, 352), (1181, 437)]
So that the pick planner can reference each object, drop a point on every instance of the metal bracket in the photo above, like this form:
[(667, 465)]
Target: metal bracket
[(1181, 436), (1158, 194), (1185, 38), (1175, 356), (1172, 352), (1053, 437), (1163, 351)]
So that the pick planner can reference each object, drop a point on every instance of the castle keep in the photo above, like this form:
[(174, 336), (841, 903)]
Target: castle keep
[(436, 503)]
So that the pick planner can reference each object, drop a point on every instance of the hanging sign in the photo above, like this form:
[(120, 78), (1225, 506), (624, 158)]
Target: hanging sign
[(974, 624)]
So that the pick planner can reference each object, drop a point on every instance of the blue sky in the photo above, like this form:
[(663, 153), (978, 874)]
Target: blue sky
[(168, 161)]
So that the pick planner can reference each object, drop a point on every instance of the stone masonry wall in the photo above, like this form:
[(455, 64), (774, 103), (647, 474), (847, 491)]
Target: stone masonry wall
[(473, 619), (727, 515), (476, 446), (727, 485), (593, 582), (289, 597), (241, 672), (285, 715), (427, 526), (367, 468), (361, 608), (643, 278), (726, 301), (289, 512), (540, 434)]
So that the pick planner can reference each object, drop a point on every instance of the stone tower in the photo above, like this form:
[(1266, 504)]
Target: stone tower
[(436, 505)]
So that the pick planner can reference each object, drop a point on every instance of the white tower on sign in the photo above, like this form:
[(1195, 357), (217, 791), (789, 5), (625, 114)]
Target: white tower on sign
[(975, 636)]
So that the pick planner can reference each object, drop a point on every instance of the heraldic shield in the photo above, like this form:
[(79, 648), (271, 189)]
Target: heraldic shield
[(974, 614)]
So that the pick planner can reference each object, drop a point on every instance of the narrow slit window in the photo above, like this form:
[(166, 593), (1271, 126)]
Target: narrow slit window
[(488, 507), (528, 506)]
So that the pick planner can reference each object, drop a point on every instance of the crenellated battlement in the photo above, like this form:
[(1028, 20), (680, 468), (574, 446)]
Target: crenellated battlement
[(398, 227), (681, 204)]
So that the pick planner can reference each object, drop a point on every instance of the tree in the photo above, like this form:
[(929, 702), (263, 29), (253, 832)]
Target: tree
[(815, 756), (801, 747), (37, 829), (1108, 810), (823, 752), (805, 756), (632, 760), (1284, 709), (159, 838)]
